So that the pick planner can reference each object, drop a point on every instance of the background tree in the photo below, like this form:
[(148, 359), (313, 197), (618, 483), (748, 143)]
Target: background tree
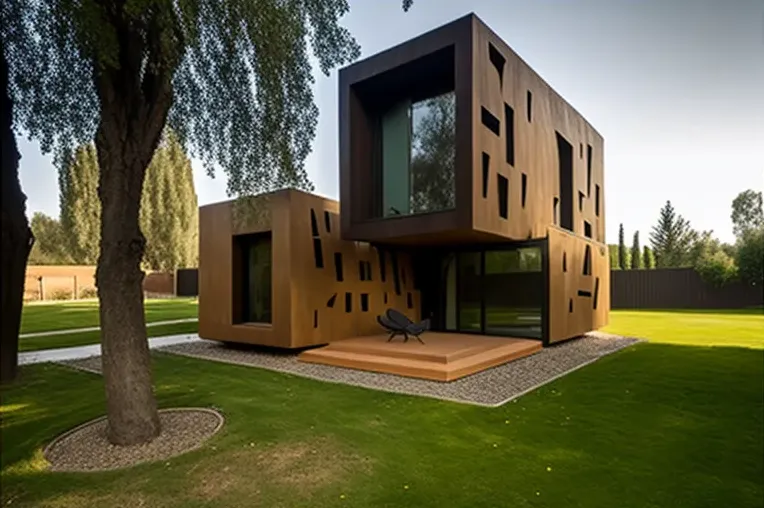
[(50, 247), (671, 239), (648, 260), (613, 251), (636, 253), (747, 212), (623, 256), (233, 80), (750, 257), (80, 208), (717, 268), (433, 155), (17, 238)]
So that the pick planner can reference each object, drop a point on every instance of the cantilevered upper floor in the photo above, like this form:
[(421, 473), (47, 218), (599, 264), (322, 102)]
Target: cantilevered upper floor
[(452, 138)]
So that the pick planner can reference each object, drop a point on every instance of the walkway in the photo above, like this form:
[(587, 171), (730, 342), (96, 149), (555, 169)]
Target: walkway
[(96, 328), (79, 352)]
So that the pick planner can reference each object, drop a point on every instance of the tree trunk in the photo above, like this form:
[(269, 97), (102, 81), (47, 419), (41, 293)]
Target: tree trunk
[(17, 238)]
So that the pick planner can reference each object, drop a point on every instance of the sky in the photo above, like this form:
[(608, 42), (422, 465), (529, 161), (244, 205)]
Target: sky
[(675, 87)]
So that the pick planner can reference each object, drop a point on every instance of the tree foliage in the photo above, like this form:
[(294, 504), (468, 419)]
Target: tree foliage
[(716, 269), (636, 253), (80, 213), (623, 255), (671, 239), (648, 260), (50, 247), (747, 212), (750, 257), (613, 254)]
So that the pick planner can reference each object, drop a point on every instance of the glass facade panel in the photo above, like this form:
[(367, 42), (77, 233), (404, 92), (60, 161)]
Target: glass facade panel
[(513, 288), (257, 289), (469, 291)]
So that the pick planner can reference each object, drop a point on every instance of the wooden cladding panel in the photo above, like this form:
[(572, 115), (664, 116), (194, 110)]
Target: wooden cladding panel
[(313, 320), (535, 148), (578, 280), (219, 276)]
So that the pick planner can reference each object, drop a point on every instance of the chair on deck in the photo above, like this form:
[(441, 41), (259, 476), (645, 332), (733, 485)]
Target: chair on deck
[(396, 323)]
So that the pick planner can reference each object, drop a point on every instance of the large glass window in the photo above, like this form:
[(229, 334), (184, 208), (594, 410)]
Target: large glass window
[(418, 156), (257, 279), (469, 291), (513, 290)]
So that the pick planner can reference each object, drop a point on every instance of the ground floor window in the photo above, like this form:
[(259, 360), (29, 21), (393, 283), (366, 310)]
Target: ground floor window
[(256, 275)]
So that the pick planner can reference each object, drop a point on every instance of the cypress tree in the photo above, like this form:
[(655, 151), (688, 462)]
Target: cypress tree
[(648, 260), (636, 253), (623, 262), (80, 208)]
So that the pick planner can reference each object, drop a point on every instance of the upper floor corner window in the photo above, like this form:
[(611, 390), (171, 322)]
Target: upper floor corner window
[(418, 156)]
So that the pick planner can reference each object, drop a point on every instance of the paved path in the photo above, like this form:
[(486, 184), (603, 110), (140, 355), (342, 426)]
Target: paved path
[(96, 328), (76, 353)]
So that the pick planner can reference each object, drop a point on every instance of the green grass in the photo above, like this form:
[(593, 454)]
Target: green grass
[(85, 338), (47, 317), (653, 425), (741, 327)]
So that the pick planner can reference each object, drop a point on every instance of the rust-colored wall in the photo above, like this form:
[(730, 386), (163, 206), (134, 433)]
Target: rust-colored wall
[(161, 283), (305, 310), (570, 313)]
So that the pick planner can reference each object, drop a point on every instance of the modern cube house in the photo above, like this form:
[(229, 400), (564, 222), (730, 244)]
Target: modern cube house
[(471, 194)]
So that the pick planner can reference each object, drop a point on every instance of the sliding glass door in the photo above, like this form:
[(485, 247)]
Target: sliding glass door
[(495, 292)]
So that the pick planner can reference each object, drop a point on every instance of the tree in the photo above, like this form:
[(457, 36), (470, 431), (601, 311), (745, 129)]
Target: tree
[(636, 253), (671, 239), (716, 269), (747, 212), (80, 209), (17, 238), (613, 251), (50, 247), (704, 245), (434, 155), (233, 80), (750, 257), (623, 261), (169, 216), (648, 260)]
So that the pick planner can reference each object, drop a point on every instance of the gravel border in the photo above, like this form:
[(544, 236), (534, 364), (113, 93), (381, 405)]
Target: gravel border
[(85, 448), (492, 387)]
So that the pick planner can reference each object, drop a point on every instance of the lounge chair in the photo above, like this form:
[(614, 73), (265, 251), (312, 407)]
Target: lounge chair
[(397, 323)]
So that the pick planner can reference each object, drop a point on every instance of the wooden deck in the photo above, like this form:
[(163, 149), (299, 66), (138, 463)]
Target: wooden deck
[(443, 357)]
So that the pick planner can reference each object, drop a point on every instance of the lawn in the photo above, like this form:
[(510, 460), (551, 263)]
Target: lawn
[(652, 425), (741, 327), (47, 317), (56, 316)]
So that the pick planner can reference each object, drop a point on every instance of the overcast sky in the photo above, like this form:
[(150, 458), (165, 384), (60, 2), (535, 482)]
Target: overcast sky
[(676, 88)]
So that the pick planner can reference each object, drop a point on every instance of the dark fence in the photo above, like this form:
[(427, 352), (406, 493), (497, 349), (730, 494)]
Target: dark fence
[(677, 288), (187, 282)]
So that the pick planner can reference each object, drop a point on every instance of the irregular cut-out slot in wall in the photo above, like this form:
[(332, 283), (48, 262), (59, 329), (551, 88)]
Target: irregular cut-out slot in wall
[(396, 273), (486, 166), (587, 229), (348, 302), (364, 302), (313, 222), (524, 191), (581, 150), (554, 210), (318, 253), (564, 261), (587, 294), (498, 61), (580, 201), (385, 297), (529, 105), (409, 301), (596, 292), (597, 200), (331, 300), (589, 169), (368, 271), (403, 276), (328, 222), (338, 266), (315, 319), (361, 271), (570, 305), (509, 128), (491, 122), (382, 267), (503, 185), (588, 260)]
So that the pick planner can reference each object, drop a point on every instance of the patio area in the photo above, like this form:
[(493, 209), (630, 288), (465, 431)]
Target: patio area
[(442, 357)]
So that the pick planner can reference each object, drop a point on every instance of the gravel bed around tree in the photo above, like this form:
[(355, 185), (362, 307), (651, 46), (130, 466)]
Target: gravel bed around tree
[(86, 447), (492, 387)]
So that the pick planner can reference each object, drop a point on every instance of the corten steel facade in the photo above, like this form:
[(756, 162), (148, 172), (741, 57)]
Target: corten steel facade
[(460, 162)]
